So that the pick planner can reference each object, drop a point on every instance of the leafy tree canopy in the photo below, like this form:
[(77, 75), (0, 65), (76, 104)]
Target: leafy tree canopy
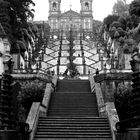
[(120, 8), (97, 26), (109, 20), (135, 8), (14, 15), (124, 28)]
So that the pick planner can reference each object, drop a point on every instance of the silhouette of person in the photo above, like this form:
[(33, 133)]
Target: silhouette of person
[(97, 71)]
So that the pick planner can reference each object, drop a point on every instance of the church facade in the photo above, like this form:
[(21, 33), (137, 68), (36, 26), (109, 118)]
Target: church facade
[(70, 18)]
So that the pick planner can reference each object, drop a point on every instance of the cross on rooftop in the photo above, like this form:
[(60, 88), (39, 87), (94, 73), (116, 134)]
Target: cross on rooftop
[(70, 6)]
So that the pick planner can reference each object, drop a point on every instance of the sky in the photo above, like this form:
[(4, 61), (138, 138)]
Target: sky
[(101, 8)]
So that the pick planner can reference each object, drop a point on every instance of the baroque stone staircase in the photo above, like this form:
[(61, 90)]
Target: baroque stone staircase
[(73, 114)]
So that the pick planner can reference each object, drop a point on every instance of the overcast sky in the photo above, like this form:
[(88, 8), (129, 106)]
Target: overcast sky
[(101, 8)]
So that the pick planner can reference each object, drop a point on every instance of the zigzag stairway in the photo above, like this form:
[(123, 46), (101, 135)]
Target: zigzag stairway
[(73, 114)]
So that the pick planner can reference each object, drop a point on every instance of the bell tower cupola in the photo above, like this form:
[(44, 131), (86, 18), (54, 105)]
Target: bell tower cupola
[(54, 13), (86, 7), (86, 13), (54, 7)]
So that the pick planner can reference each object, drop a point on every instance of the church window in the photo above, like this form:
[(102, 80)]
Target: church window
[(77, 23), (55, 23), (87, 6), (54, 5), (87, 24)]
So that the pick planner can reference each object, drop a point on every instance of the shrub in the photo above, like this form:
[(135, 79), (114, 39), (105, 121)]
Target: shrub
[(31, 91), (122, 100)]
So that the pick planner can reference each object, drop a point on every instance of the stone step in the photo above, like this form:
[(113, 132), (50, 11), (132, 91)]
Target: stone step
[(84, 98), (73, 110), (99, 124), (74, 105), (97, 138), (73, 114), (72, 136), (74, 118), (65, 109), (73, 86), (73, 97), (72, 122), (67, 93), (106, 127), (99, 133)]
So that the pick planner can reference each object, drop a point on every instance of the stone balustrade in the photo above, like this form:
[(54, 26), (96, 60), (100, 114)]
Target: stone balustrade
[(46, 99), (105, 107), (32, 118), (112, 117), (113, 76)]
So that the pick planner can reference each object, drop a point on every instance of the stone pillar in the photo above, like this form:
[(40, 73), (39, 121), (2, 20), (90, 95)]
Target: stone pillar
[(135, 97), (6, 104)]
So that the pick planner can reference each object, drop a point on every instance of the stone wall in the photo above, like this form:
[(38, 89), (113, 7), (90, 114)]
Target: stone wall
[(40, 109), (109, 83), (108, 89), (130, 134)]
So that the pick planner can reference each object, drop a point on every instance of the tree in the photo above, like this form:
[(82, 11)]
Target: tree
[(120, 8), (135, 8), (109, 20), (41, 31), (31, 91), (5, 17), (122, 100), (97, 25), (47, 30), (16, 14)]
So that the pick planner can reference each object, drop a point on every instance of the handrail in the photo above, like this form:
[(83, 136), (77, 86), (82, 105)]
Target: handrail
[(32, 118), (27, 76), (51, 59), (92, 60), (46, 99), (113, 76), (112, 117), (127, 124), (100, 100)]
